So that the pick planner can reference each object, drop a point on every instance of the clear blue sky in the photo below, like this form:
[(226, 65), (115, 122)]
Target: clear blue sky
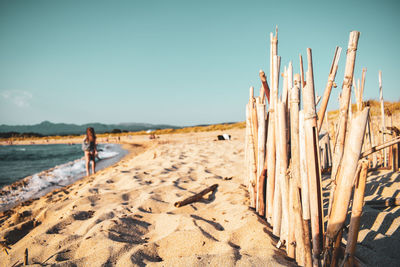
[(176, 62)]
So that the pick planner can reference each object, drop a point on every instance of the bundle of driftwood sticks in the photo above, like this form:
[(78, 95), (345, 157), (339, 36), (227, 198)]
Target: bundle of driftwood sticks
[(283, 159)]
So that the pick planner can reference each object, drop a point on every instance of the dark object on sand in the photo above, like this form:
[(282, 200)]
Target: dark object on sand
[(224, 137), (196, 197), (384, 203)]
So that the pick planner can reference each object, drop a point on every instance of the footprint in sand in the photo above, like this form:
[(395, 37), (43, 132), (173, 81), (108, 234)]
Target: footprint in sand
[(143, 256), (18, 232), (129, 230), (77, 216)]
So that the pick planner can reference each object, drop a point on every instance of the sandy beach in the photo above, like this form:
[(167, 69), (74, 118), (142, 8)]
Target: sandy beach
[(124, 215)]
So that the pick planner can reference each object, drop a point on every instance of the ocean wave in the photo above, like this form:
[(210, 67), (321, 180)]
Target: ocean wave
[(39, 184)]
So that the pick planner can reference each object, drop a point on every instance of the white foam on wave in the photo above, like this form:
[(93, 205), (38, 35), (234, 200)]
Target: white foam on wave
[(59, 176)]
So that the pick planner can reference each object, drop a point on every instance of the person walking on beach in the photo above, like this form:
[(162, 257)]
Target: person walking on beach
[(90, 149)]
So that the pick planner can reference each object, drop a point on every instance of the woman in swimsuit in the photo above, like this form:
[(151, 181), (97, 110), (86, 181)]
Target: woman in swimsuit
[(90, 149)]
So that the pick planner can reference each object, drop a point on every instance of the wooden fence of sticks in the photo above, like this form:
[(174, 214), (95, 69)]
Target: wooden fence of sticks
[(286, 153)]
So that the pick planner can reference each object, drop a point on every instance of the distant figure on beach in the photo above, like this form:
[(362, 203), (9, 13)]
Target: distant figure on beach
[(90, 149)]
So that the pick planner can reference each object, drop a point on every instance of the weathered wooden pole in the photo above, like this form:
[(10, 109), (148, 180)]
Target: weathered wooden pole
[(305, 199), (271, 146), (364, 71), (345, 180), (295, 182), (277, 202), (272, 53), (262, 178), (305, 196), (313, 165), (285, 93), (281, 155), (303, 82), (344, 106), (357, 206), (261, 147), (383, 127), (252, 163)]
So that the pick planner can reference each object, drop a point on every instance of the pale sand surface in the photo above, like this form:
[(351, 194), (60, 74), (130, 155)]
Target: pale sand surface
[(379, 234), (125, 215)]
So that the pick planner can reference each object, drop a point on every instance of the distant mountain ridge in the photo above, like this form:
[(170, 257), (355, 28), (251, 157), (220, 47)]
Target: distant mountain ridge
[(49, 128)]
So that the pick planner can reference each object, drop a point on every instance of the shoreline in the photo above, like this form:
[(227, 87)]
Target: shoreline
[(19, 185)]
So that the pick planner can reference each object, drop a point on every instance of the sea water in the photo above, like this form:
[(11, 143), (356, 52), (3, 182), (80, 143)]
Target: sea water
[(46, 167)]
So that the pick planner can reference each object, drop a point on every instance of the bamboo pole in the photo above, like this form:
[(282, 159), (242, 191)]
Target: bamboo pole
[(277, 202), (262, 182), (271, 146), (344, 105), (313, 165), (342, 195), (304, 191), (254, 124), (305, 197), (252, 150), (285, 87), (281, 176), (273, 52), (290, 76), (380, 147), (271, 157), (261, 147), (295, 182), (383, 127), (246, 178), (358, 201), (303, 82)]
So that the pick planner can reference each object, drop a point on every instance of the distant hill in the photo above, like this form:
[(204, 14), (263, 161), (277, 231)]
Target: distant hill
[(49, 128)]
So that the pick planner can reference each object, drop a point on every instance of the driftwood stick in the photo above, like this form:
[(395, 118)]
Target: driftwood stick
[(341, 198), (328, 87), (380, 147), (358, 200), (26, 261), (383, 203), (196, 197)]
